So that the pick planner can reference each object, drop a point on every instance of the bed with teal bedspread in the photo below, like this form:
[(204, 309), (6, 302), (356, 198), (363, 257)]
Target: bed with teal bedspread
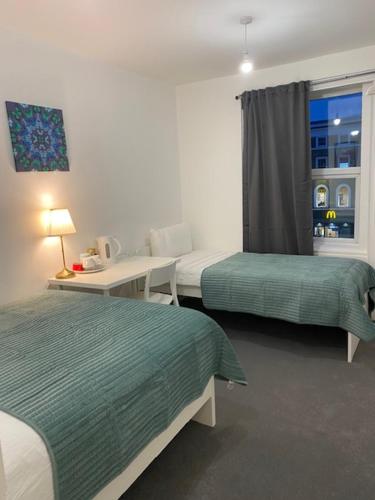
[(98, 377), (302, 289)]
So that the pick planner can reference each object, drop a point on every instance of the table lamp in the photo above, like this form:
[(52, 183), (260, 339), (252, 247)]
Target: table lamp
[(59, 224)]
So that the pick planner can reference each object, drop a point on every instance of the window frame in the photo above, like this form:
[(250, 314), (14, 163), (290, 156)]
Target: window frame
[(357, 246)]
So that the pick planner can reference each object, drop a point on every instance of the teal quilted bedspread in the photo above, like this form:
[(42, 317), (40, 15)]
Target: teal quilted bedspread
[(303, 289), (100, 377)]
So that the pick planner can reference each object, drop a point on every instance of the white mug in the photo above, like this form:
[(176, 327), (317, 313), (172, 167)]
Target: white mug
[(83, 256), (98, 260), (89, 263)]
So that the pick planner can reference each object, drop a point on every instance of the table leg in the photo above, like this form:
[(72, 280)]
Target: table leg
[(134, 287), (107, 293)]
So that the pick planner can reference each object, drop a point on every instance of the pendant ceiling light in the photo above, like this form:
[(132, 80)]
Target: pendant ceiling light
[(246, 65)]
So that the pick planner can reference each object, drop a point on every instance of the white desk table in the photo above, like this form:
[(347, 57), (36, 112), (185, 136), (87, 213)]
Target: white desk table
[(125, 271)]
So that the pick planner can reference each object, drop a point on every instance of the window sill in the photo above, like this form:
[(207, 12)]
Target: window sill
[(335, 172), (339, 248)]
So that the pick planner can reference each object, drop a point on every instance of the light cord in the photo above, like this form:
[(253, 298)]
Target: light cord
[(245, 49)]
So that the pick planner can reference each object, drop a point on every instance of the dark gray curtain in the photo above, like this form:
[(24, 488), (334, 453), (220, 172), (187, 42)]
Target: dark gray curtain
[(277, 199)]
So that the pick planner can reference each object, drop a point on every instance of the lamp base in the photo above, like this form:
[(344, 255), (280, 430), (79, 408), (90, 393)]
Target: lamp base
[(65, 274)]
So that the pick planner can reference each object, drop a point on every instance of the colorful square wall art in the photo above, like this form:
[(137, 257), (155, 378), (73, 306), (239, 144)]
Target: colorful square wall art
[(38, 137)]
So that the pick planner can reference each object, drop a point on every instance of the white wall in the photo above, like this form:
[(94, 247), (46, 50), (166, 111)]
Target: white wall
[(122, 146), (209, 133)]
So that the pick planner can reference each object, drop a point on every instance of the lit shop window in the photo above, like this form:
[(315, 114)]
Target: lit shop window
[(334, 208)]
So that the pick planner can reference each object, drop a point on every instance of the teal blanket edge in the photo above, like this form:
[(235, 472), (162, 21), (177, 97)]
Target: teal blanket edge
[(312, 290), (98, 378)]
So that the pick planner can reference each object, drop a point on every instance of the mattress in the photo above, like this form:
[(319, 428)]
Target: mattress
[(27, 467), (190, 266)]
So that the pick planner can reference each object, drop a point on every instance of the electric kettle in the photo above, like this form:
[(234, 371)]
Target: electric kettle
[(107, 249)]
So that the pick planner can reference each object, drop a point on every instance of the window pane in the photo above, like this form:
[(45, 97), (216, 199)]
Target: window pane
[(334, 208), (336, 125)]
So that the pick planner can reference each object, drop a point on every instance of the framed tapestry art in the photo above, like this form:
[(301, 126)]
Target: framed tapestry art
[(38, 137)]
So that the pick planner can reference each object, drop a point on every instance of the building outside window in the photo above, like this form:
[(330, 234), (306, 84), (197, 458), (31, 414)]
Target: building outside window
[(343, 161), (321, 196), (321, 162), (343, 139), (336, 139), (333, 208), (343, 196), (322, 141)]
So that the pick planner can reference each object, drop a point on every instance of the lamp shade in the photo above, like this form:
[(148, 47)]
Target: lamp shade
[(60, 222)]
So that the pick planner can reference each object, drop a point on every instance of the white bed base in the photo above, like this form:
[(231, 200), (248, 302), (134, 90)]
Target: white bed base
[(2, 477), (189, 291), (201, 410), (353, 340)]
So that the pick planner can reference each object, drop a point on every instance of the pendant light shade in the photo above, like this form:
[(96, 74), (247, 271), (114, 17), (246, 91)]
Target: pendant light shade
[(246, 65)]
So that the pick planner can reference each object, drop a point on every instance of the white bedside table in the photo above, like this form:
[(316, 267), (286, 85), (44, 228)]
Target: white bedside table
[(125, 271)]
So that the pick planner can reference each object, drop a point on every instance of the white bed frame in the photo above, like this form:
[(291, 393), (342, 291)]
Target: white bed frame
[(201, 410), (2, 477), (353, 340), (189, 291)]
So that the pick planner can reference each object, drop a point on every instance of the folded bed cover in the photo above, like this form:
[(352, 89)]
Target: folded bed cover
[(326, 291)]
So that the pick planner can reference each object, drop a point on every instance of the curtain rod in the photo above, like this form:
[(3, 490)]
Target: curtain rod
[(335, 78)]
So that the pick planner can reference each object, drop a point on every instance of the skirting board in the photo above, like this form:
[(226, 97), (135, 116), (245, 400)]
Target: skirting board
[(201, 410)]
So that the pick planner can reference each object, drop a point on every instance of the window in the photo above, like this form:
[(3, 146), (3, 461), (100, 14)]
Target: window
[(343, 196), (334, 210), (321, 161), (336, 121), (321, 196), (322, 141), (343, 161)]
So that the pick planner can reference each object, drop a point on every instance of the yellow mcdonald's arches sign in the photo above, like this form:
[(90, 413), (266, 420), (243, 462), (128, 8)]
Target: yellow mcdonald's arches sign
[(331, 214)]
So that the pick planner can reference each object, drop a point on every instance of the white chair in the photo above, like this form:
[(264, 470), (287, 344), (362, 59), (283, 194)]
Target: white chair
[(156, 278)]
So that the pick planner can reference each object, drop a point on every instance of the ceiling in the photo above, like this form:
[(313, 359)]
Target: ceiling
[(189, 40)]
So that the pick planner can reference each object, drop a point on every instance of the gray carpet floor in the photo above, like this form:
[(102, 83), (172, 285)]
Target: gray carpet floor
[(303, 429)]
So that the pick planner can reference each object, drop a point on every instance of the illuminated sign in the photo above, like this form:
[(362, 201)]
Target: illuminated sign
[(331, 214)]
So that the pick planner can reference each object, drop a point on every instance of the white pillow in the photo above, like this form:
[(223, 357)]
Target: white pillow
[(171, 241)]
